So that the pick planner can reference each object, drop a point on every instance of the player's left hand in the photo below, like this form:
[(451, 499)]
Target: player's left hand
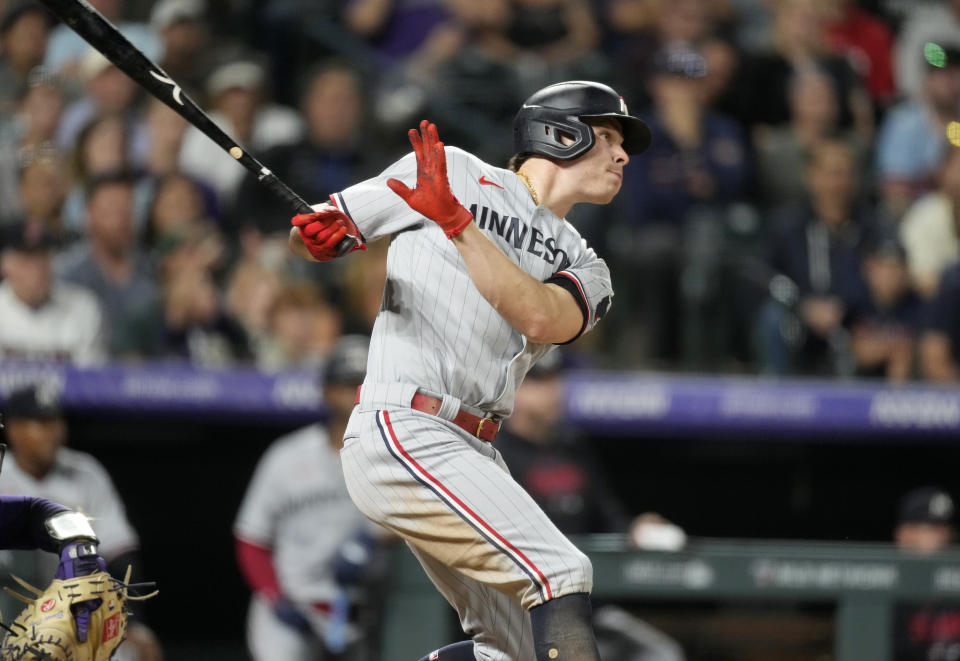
[(81, 559), (352, 559), (432, 197)]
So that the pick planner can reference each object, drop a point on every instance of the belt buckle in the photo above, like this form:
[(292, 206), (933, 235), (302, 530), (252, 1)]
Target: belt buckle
[(483, 421)]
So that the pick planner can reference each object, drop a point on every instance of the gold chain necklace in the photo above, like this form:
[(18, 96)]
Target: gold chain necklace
[(533, 191)]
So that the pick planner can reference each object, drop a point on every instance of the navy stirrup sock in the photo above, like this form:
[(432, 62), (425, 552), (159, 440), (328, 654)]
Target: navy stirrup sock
[(563, 629)]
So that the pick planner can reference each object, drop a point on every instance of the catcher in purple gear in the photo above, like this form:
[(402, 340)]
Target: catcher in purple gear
[(37, 523), (82, 587)]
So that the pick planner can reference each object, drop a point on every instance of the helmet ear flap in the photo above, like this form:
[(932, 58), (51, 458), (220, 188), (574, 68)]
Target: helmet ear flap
[(551, 132)]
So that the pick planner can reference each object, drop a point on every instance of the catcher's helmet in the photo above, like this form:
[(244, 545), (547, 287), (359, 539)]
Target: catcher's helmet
[(561, 108)]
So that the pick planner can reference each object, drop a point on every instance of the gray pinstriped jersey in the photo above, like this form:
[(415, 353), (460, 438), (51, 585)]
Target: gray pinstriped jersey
[(435, 329)]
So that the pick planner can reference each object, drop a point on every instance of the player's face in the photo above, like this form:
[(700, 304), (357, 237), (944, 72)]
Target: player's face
[(35, 443), (598, 174), (923, 537)]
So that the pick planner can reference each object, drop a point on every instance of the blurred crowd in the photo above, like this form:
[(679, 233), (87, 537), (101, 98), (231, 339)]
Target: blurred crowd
[(797, 213)]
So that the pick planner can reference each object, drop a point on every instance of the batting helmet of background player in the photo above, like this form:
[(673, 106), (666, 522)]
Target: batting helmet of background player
[(560, 110)]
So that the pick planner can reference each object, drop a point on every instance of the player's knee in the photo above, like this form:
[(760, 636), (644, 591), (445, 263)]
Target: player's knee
[(582, 576)]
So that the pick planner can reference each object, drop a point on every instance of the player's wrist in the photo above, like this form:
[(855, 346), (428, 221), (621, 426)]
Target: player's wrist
[(66, 527), (457, 222)]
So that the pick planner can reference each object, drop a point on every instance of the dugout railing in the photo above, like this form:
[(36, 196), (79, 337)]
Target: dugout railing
[(863, 582)]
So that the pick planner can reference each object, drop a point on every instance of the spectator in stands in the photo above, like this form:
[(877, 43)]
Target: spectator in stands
[(361, 285), (197, 328), (43, 189), (330, 155), (251, 291), (27, 134), (418, 35), (42, 466), (24, 31), (102, 148), (800, 41), (935, 22), (109, 264), (559, 471), (44, 319), (67, 49), (185, 42), (940, 342), (643, 28), (107, 91), (930, 230), (549, 40), (913, 138), (926, 524), (165, 131), (866, 42), (723, 72), (782, 151), (815, 252), (179, 231), (238, 102), (885, 325), (301, 329), (699, 157), (680, 189), (477, 83)]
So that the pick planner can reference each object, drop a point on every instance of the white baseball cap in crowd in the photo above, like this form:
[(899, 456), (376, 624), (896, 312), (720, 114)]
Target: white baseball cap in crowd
[(168, 12)]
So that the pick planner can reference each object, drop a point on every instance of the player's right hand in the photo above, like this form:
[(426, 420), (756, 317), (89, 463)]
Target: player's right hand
[(322, 230)]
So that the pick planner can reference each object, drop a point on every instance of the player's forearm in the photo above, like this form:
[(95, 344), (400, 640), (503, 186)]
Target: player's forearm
[(543, 313), (22, 522), (256, 565)]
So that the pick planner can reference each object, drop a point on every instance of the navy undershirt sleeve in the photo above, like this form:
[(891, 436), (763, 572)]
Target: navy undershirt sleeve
[(22, 522)]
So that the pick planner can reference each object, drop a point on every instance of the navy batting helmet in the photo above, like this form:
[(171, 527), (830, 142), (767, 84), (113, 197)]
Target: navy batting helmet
[(560, 110)]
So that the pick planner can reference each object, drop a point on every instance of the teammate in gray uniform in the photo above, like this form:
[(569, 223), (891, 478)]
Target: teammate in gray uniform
[(484, 277), (299, 538)]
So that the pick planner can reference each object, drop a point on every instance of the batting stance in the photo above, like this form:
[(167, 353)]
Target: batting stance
[(484, 277)]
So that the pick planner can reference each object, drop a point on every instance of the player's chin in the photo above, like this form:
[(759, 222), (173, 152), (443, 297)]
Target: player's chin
[(607, 194)]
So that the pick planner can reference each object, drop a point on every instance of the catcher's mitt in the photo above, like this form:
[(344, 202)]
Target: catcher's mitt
[(46, 630)]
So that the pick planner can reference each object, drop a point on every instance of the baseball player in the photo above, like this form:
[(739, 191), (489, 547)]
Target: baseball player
[(37, 523), (484, 277), (300, 540), (42, 467)]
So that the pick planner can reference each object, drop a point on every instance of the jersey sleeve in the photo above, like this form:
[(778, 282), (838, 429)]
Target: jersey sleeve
[(587, 278), (375, 209)]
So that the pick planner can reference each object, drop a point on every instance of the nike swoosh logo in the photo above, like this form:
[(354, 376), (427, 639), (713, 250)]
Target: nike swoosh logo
[(483, 180)]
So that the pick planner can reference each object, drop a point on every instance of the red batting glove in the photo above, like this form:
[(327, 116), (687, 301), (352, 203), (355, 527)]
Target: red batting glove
[(432, 197), (321, 231)]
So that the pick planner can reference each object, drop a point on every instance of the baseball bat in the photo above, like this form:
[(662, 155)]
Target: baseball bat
[(106, 38)]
